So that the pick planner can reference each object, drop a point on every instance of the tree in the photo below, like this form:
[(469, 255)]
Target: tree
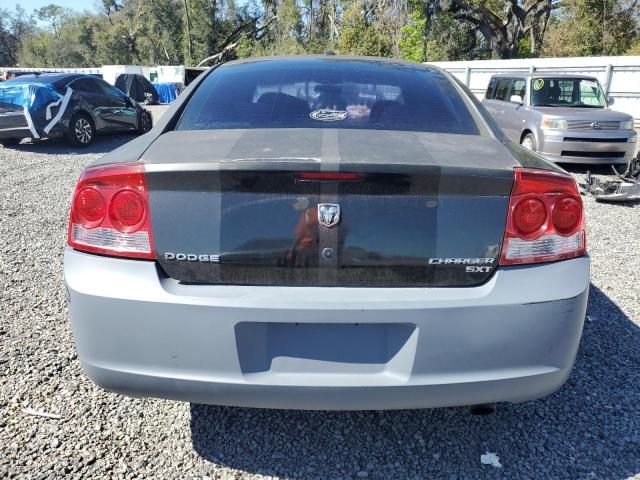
[(430, 35), (206, 32), (413, 44), (635, 48), (360, 34), (200, 35), (503, 32), (14, 27), (164, 24), (451, 39), (593, 27), (58, 42), (54, 15), (289, 29)]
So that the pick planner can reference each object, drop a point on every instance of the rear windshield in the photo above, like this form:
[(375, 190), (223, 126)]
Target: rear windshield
[(317, 93), (15, 95)]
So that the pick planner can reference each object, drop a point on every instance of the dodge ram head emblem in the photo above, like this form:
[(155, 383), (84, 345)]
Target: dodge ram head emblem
[(328, 214), (595, 125)]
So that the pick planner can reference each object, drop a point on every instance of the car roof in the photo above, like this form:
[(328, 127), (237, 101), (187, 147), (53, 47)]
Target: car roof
[(542, 75), (336, 58), (55, 79)]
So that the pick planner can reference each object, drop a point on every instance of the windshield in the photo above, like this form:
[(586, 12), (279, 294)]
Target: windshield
[(321, 93), (567, 92)]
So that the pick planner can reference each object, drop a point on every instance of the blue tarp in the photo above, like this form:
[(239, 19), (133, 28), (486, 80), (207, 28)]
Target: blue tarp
[(167, 92), (29, 95)]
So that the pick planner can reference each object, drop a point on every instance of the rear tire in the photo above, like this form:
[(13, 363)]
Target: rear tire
[(529, 142), (81, 131), (144, 123)]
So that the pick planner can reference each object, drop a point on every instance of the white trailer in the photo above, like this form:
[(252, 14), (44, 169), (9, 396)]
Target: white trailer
[(111, 72)]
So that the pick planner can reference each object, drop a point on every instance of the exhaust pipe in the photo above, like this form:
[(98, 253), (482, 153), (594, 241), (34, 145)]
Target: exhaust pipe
[(483, 409)]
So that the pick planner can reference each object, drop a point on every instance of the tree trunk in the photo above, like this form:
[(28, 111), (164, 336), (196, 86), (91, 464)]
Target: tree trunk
[(188, 26)]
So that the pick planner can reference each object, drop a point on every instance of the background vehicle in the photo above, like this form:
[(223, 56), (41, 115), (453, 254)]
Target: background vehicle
[(327, 233), (71, 105), (137, 87), (563, 118)]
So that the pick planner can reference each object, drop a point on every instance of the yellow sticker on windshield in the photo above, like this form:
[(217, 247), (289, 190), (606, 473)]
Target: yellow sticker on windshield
[(538, 84)]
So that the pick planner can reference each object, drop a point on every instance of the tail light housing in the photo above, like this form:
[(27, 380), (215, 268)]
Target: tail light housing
[(545, 219), (110, 212)]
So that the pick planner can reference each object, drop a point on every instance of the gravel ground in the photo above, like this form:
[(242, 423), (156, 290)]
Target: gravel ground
[(588, 430)]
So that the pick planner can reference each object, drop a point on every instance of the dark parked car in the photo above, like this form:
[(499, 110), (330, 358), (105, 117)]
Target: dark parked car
[(73, 106), (327, 233)]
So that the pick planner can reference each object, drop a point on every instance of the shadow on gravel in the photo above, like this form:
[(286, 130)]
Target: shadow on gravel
[(604, 172), (589, 429), (102, 144), (582, 169)]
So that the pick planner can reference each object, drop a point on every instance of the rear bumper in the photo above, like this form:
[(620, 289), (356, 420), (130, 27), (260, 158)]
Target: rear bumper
[(14, 124), (512, 339), (576, 147), (15, 133)]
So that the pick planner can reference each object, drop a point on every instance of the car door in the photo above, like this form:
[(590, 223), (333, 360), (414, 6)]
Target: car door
[(513, 114), (122, 113), (92, 99)]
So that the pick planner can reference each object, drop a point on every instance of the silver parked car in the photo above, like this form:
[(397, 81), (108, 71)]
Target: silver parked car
[(327, 233), (565, 118)]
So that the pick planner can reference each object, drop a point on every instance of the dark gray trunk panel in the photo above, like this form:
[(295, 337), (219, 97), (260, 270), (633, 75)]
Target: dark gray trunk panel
[(274, 148), (238, 219)]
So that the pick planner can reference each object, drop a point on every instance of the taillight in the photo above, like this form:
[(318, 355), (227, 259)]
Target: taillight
[(110, 212), (529, 215), (545, 220), (90, 207)]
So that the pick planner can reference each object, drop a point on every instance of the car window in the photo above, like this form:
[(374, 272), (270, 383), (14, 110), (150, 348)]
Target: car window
[(317, 93), (503, 89), (95, 86), (87, 85), (491, 89), (107, 89), (518, 87), (81, 85), (567, 92), (590, 93)]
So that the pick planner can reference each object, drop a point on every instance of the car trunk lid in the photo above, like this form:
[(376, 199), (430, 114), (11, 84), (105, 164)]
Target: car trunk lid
[(254, 207)]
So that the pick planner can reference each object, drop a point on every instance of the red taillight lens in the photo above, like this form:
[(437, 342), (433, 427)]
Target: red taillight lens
[(127, 210), (89, 207), (110, 212), (529, 215), (567, 212), (545, 220)]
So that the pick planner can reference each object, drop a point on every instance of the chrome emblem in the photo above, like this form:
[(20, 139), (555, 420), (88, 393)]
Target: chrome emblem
[(328, 214), (595, 125)]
